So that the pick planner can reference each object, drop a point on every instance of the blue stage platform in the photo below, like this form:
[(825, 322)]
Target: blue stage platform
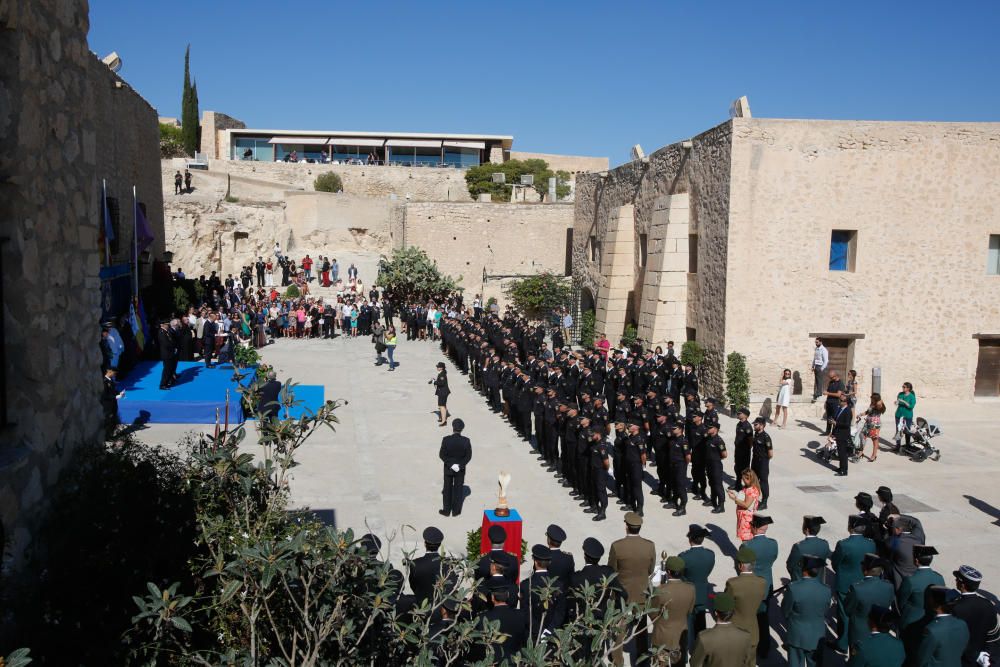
[(195, 396)]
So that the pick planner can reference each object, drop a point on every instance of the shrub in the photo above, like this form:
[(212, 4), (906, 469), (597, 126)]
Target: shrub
[(292, 292), (631, 333), (479, 179), (737, 391), (588, 321), (412, 275), (692, 353), (181, 300), (328, 182), (246, 356), (538, 295), (473, 543)]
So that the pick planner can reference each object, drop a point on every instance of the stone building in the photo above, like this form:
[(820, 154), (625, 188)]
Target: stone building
[(66, 123), (760, 234)]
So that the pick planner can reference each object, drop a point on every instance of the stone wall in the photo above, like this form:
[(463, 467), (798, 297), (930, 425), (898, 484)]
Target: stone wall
[(214, 138), (923, 198), (505, 239), (574, 164), (417, 183), (627, 201), (66, 122)]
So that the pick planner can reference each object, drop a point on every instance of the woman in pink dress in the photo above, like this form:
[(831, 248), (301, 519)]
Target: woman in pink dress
[(746, 504)]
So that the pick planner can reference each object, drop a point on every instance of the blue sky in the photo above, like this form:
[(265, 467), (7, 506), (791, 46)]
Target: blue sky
[(582, 77)]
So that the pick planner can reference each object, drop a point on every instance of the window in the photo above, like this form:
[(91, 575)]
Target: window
[(993, 257), (988, 369), (595, 254), (843, 248), (691, 333), (692, 254), (642, 249), (259, 147)]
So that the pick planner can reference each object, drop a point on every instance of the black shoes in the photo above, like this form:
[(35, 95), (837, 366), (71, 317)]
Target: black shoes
[(719, 510), (680, 512), (444, 512)]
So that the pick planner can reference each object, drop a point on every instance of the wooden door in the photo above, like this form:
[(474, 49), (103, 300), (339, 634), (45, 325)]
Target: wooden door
[(988, 370), (840, 355)]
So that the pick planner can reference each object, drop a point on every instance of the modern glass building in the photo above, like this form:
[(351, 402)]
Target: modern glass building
[(386, 148)]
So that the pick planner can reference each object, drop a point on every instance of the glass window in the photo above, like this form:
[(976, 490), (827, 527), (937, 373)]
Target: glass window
[(842, 250), (993, 257), (692, 256), (258, 147), (405, 155), (463, 158)]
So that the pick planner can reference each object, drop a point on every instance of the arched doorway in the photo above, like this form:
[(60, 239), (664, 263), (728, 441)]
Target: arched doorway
[(587, 301), (588, 317)]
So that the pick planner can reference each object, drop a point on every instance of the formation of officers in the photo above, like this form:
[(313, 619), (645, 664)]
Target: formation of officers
[(891, 607), (569, 403)]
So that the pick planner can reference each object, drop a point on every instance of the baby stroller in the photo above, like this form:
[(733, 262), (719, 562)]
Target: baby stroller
[(919, 448), (828, 451)]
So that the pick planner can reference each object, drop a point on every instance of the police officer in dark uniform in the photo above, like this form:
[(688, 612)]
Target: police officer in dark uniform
[(168, 354), (497, 537), (609, 591), (426, 570), (711, 416), (599, 463), (697, 441), (621, 473), (562, 565), (635, 461), (659, 436), (482, 600), (513, 624), (455, 454), (715, 451), (763, 452), (680, 457), (742, 446)]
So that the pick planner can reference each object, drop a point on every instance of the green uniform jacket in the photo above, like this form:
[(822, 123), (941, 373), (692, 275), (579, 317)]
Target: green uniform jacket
[(846, 561), (676, 597), (698, 565), (748, 590), (877, 650), (811, 546), (633, 558), (766, 550), (804, 605), (943, 642), (864, 595), (725, 645), (911, 594)]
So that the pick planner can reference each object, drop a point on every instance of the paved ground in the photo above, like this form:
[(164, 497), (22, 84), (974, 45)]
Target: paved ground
[(381, 469)]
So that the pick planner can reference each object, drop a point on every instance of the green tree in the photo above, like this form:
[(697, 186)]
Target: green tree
[(171, 141), (588, 322), (480, 179), (328, 182), (540, 294), (412, 275), (692, 353), (189, 108), (737, 381)]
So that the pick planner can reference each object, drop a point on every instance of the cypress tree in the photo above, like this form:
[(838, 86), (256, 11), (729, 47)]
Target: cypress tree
[(189, 109)]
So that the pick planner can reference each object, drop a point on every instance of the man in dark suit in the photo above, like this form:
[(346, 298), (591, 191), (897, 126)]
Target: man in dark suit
[(842, 433), (270, 393), (900, 546), (208, 339), (426, 570), (455, 453), (562, 565), (168, 354)]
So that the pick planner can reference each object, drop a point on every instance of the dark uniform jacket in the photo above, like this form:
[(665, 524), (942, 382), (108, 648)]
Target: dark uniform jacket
[(867, 593), (810, 546), (877, 650), (911, 595), (943, 642), (804, 605), (981, 617), (847, 558), (455, 448), (424, 573), (548, 615), (698, 565), (269, 395), (725, 645), (562, 566), (514, 624)]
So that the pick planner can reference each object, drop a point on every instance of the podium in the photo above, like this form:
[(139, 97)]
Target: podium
[(512, 524)]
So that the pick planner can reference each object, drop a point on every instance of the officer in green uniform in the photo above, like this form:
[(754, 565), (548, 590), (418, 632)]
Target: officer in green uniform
[(879, 648), (804, 605), (846, 562), (871, 591), (698, 565), (911, 592), (748, 590), (810, 546), (766, 549), (945, 637), (725, 645)]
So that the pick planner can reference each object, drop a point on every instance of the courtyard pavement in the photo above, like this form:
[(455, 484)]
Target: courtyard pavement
[(380, 470)]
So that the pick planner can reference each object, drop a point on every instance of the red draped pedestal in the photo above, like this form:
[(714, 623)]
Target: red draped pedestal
[(512, 524)]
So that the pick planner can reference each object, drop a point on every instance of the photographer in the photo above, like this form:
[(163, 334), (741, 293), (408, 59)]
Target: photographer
[(378, 340), (441, 390)]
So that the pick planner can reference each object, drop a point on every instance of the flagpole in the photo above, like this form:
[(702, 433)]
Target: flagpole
[(135, 242), (104, 221)]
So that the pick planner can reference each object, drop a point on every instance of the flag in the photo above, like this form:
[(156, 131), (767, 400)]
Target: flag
[(143, 322), (133, 321), (143, 232)]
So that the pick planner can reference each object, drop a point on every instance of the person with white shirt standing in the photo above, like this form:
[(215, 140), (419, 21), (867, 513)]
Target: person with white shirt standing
[(821, 359)]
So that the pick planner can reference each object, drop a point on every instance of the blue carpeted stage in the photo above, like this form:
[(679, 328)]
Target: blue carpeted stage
[(195, 396)]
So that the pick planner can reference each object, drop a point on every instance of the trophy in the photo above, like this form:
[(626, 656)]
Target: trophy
[(502, 509)]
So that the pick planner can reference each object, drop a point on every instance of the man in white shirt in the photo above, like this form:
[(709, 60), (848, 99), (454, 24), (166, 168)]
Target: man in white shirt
[(821, 359)]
